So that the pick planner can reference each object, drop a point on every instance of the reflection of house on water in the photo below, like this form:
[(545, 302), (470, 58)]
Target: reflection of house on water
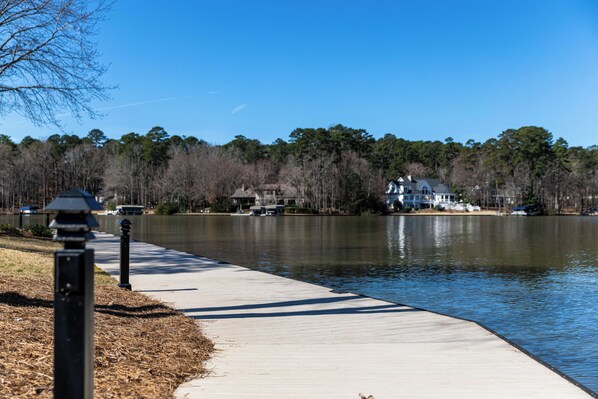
[(395, 232), (441, 229), (422, 236)]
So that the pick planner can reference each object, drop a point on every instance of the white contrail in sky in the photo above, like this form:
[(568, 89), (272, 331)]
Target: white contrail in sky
[(158, 100), (238, 108)]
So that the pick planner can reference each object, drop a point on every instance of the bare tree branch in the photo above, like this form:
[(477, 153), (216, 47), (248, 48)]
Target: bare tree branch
[(48, 59)]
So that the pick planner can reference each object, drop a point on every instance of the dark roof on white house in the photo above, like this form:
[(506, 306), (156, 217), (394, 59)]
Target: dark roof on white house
[(438, 187), (416, 183)]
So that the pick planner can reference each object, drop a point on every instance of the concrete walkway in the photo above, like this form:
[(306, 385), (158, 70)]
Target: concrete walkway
[(279, 338)]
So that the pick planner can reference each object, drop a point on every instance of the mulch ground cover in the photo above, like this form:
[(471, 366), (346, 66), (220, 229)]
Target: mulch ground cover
[(143, 349)]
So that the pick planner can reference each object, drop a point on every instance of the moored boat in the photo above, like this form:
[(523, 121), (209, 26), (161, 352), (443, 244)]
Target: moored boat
[(527, 210), (267, 210)]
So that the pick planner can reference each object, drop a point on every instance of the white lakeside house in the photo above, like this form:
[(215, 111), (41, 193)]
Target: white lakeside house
[(415, 192)]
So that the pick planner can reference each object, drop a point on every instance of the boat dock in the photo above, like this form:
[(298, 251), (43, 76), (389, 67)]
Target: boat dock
[(280, 338)]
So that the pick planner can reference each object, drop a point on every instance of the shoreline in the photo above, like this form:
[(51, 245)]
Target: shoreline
[(416, 213), (435, 213), (446, 213)]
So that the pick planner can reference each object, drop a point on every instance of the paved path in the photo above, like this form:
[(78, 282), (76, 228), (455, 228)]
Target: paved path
[(279, 338)]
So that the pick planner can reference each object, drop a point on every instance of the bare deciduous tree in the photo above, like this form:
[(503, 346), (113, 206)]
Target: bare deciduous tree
[(48, 60), (260, 172), (83, 167), (416, 169)]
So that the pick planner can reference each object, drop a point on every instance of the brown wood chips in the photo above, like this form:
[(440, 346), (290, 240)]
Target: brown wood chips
[(143, 349)]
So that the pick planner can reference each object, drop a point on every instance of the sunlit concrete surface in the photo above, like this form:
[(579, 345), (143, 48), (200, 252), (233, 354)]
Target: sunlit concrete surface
[(280, 338)]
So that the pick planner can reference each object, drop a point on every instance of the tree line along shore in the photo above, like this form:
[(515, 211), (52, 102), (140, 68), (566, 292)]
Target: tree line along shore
[(335, 169)]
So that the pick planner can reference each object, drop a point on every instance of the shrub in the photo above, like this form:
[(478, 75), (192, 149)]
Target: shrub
[(39, 230), (10, 229), (167, 208), (397, 205), (293, 209), (223, 206)]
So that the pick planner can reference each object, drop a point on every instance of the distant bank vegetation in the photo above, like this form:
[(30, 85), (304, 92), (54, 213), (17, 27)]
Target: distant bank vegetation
[(334, 169)]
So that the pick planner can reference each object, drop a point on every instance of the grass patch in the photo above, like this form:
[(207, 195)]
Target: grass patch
[(143, 349), (28, 245)]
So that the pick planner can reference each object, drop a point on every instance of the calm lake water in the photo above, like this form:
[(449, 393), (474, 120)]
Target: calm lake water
[(533, 280)]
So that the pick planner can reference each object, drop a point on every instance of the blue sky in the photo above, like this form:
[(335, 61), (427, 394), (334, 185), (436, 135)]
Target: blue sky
[(419, 69)]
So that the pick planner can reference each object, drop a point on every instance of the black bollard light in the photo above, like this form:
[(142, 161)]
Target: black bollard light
[(73, 294), (125, 239), (20, 219)]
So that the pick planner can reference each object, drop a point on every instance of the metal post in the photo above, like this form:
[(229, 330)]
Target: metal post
[(20, 219), (125, 227), (73, 295)]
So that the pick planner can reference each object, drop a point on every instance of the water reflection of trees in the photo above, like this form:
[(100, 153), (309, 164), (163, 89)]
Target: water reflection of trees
[(404, 245), (505, 245)]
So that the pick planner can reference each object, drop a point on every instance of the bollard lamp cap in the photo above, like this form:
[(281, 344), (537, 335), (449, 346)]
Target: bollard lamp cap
[(125, 223), (74, 201)]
